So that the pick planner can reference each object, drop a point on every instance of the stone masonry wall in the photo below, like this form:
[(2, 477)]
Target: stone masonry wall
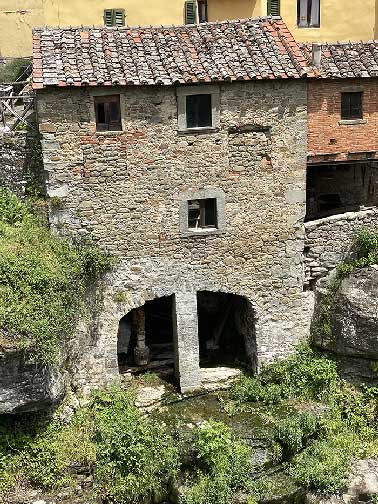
[(13, 156), (329, 240), (125, 190)]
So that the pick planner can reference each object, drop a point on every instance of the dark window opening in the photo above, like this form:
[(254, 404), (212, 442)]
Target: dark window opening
[(202, 11), (114, 17), (273, 8), (226, 330), (351, 106), (202, 213), (308, 13), (199, 111), (338, 188), (108, 113), (158, 326)]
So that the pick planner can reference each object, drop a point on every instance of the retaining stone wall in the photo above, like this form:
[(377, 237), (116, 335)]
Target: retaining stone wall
[(13, 156), (328, 241), (124, 190)]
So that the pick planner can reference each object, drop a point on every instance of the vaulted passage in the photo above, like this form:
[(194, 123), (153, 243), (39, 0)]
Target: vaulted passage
[(226, 330), (145, 337), (341, 187)]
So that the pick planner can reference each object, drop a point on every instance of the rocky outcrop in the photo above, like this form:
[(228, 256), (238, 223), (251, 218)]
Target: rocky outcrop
[(346, 322), (362, 486), (26, 386)]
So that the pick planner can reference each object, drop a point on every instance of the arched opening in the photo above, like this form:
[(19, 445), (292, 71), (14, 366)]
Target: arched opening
[(226, 330), (145, 338)]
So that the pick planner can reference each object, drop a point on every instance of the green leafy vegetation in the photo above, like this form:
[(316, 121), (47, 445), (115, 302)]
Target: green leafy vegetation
[(224, 466), (318, 448), (43, 280), (304, 375), (15, 69), (136, 460), (132, 460)]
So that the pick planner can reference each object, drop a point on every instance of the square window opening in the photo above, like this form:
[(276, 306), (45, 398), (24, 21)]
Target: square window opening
[(199, 111), (202, 214), (351, 105), (108, 113), (308, 13)]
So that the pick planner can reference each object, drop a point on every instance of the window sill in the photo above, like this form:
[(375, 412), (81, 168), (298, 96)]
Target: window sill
[(202, 232), (192, 131), (351, 122), (109, 133)]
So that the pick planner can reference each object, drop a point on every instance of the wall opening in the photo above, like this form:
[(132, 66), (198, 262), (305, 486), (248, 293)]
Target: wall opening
[(145, 338), (337, 188), (226, 330)]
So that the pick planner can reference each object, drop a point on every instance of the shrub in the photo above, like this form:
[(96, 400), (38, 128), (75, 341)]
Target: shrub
[(293, 433), (303, 375), (136, 460), (43, 280), (224, 465), (324, 465)]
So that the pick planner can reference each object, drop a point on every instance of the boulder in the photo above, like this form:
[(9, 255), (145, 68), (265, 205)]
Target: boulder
[(27, 386), (362, 486), (353, 321)]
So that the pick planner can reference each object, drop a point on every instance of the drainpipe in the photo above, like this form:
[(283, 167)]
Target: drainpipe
[(141, 351), (316, 55)]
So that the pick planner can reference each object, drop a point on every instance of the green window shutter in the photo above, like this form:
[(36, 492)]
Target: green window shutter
[(114, 17), (273, 8), (190, 12), (119, 17), (108, 17)]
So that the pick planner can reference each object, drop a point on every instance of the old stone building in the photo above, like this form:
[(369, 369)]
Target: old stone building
[(182, 150)]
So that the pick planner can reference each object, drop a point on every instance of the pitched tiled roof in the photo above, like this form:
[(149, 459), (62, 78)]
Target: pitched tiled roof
[(347, 59), (259, 48)]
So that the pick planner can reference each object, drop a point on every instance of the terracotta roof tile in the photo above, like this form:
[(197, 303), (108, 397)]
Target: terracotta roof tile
[(256, 48), (346, 60)]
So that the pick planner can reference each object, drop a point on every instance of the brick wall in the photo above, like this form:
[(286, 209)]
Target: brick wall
[(326, 134)]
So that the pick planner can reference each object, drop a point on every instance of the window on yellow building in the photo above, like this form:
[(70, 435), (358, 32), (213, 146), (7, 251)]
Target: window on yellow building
[(114, 17), (308, 13), (273, 8), (190, 12), (202, 11)]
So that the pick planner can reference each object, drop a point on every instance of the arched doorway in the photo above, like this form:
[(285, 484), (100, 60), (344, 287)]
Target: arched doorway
[(226, 330), (145, 338)]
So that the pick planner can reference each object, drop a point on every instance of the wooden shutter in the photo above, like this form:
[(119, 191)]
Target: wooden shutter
[(119, 17), (190, 12), (114, 17), (274, 8), (108, 17)]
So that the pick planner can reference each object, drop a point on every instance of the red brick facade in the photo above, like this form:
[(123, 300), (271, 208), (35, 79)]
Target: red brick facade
[(330, 138)]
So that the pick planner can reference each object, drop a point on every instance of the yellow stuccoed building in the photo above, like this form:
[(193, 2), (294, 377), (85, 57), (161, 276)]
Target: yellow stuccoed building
[(308, 20)]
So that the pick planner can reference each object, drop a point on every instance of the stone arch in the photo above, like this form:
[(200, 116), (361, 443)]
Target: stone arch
[(145, 336), (226, 329)]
